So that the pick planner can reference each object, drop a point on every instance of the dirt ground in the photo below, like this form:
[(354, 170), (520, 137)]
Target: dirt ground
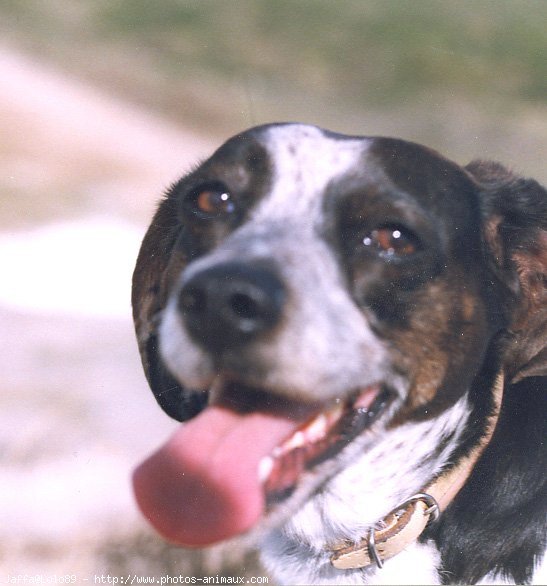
[(80, 173)]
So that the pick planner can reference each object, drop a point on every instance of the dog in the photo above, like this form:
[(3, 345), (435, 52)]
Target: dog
[(354, 329)]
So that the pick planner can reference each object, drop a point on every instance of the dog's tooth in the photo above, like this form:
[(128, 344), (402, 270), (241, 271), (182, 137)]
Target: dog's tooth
[(334, 413), (312, 433), (265, 467), (317, 428), (296, 440)]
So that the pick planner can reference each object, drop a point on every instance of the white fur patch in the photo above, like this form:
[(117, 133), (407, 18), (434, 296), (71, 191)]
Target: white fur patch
[(186, 361), (305, 161)]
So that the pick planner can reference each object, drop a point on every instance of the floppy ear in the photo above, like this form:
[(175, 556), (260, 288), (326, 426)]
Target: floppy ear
[(515, 232), (157, 265)]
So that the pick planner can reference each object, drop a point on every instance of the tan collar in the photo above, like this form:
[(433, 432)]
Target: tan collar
[(406, 523)]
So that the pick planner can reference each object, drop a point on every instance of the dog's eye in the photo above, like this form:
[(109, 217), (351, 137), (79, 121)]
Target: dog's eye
[(212, 201), (391, 241)]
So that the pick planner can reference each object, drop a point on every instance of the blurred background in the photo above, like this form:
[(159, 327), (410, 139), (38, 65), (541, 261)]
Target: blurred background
[(102, 105)]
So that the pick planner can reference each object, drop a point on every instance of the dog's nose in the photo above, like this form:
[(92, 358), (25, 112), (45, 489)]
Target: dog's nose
[(230, 304)]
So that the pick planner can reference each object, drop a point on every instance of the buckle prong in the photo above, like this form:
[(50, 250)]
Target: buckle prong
[(432, 511), (432, 505)]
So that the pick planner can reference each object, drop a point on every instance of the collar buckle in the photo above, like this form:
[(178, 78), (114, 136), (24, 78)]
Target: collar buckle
[(432, 512)]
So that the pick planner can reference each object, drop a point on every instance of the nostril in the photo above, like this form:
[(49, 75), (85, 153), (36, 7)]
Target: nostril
[(244, 306), (193, 300)]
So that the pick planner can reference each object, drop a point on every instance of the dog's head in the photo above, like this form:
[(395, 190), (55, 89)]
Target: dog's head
[(306, 298)]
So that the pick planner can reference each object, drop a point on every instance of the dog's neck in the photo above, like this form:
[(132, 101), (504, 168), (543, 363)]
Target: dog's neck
[(304, 548), (405, 524)]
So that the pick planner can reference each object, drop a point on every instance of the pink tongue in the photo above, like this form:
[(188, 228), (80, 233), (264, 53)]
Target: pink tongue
[(203, 485)]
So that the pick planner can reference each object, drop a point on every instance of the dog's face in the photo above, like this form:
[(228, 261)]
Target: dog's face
[(320, 306)]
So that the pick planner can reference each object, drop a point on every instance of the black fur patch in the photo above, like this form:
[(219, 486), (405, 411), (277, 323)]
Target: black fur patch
[(497, 522)]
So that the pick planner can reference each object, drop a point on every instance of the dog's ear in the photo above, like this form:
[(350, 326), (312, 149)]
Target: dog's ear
[(515, 233), (157, 265)]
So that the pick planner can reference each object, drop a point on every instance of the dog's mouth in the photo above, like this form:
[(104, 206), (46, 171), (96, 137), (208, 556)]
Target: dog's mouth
[(318, 440), (237, 460)]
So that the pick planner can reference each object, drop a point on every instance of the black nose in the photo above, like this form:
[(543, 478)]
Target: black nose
[(230, 304)]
